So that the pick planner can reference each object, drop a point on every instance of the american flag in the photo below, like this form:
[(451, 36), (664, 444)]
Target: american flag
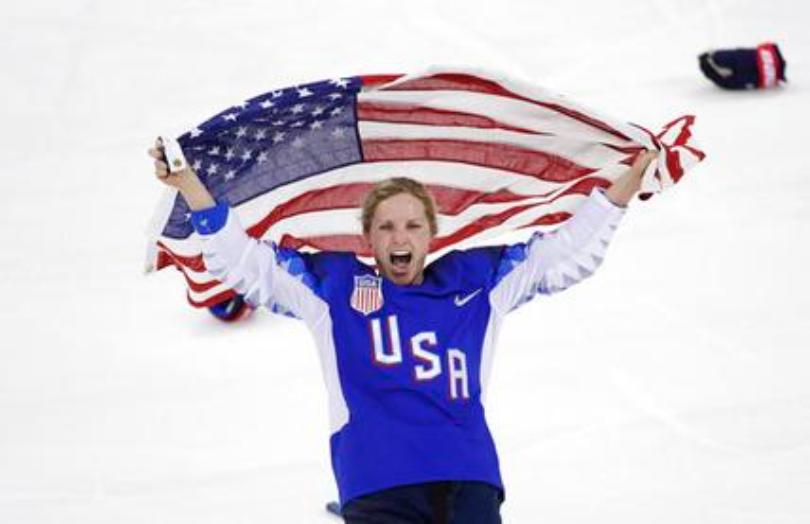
[(498, 155)]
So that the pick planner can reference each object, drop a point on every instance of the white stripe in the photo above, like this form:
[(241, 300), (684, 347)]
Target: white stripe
[(520, 87), (338, 409), (585, 153), (488, 352), (468, 177), (205, 295), (347, 221), (509, 111)]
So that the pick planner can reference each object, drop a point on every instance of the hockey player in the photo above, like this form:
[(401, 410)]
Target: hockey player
[(406, 349)]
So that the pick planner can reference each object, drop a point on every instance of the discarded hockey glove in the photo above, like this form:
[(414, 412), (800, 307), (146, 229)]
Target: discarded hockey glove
[(744, 68)]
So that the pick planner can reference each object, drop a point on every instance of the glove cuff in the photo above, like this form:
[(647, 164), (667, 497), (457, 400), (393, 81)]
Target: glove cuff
[(770, 65)]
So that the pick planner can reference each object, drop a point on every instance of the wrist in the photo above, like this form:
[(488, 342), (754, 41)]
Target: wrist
[(194, 192)]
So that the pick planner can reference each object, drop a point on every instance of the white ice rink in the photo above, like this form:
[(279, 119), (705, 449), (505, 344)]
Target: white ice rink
[(672, 388)]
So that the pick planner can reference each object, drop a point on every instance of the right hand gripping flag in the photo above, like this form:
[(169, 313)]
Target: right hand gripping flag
[(498, 155)]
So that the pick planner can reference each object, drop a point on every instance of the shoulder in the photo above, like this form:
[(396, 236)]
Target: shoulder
[(477, 266), (321, 262)]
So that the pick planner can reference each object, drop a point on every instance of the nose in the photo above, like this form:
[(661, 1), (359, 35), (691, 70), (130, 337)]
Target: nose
[(400, 236)]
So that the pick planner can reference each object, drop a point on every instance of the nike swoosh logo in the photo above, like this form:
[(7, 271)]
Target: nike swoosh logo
[(460, 301)]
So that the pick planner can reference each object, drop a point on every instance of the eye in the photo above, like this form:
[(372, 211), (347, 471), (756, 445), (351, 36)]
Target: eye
[(414, 225), (386, 227)]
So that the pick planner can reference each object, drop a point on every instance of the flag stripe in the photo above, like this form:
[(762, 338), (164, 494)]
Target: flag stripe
[(538, 164), (481, 222), (508, 111), (466, 82), (413, 114), (449, 200)]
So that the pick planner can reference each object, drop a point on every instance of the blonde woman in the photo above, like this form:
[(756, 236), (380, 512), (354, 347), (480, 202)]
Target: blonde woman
[(406, 348)]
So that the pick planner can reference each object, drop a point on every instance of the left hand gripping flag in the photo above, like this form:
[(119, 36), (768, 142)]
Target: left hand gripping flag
[(498, 154)]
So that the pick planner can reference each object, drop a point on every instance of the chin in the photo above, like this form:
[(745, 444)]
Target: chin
[(403, 280)]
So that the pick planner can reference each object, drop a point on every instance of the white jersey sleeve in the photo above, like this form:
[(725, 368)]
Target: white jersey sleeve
[(256, 270), (551, 262)]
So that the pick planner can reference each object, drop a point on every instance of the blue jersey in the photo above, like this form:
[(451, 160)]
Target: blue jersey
[(406, 367)]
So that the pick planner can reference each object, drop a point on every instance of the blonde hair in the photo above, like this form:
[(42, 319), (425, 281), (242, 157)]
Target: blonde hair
[(394, 186)]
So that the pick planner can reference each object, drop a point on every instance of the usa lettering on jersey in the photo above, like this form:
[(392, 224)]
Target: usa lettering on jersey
[(423, 347)]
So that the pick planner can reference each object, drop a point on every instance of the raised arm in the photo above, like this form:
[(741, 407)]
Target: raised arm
[(186, 181), (266, 275), (552, 262)]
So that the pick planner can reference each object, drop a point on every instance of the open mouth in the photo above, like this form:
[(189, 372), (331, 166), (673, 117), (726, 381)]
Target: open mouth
[(400, 259)]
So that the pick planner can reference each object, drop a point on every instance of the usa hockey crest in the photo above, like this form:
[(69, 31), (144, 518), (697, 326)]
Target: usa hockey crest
[(367, 296)]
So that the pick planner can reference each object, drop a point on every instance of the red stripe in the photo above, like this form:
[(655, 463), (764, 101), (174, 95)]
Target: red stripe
[(197, 287), (582, 187), (465, 82), (450, 201), (631, 151), (371, 81), (410, 114), (163, 260), (543, 166), (212, 301), (550, 219), (193, 262), (357, 244), (684, 136)]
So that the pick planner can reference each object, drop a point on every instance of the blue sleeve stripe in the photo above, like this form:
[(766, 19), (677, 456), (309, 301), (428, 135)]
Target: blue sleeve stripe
[(210, 220), (513, 256)]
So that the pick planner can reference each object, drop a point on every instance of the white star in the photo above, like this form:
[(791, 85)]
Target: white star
[(246, 155), (297, 123), (318, 110), (230, 175), (262, 157), (278, 122), (212, 169), (304, 92), (230, 117), (196, 132), (338, 132), (336, 111), (261, 134), (197, 165), (230, 154), (242, 131), (335, 96), (316, 125), (278, 137), (188, 216), (266, 104), (214, 151), (278, 93), (340, 82), (298, 142), (297, 108)]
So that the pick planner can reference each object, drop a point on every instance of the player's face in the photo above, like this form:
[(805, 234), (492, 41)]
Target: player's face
[(399, 237)]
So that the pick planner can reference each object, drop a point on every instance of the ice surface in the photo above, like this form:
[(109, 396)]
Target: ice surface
[(670, 388)]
